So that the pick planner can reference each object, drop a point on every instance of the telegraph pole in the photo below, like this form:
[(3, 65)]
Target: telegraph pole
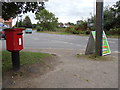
[(99, 27)]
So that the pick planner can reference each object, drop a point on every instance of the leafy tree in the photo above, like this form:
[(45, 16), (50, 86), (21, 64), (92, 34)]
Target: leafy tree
[(46, 20), (34, 25), (19, 24), (111, 17), (12, 9), (82, 26), (70, 23), (27, 22), (116, 10)]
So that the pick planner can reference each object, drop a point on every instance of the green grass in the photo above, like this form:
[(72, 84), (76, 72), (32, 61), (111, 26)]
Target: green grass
[(113, 36), (25, 58), (53, 32)]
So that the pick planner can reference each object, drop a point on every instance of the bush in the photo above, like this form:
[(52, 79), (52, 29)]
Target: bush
[(115, 31), (87, 32), (76, 32), (72, 30), (39, 28), (82, 32)]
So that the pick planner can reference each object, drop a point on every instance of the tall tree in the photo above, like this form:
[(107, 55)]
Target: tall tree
[(116, 10), (47, 20), (12, 9), (27, 22), (111, 17)]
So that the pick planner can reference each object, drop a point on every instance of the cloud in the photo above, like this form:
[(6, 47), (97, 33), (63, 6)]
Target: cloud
[(69, 10)]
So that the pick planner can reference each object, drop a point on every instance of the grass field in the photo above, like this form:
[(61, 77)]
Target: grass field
[(25, 58)]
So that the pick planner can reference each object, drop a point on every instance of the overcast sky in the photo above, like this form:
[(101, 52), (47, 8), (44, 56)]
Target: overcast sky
[(70, 10)]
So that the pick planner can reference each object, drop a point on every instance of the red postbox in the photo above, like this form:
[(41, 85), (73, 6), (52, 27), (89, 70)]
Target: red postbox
[(14, 39)]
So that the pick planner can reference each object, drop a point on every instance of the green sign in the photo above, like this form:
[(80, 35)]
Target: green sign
[(105, 46)]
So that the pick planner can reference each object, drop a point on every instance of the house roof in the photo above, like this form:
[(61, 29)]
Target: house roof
[(10, 20), (2, 20)]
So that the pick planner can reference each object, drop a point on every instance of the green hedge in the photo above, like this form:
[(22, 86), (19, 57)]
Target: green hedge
[(39, 28), (74, 31), (115, 31)]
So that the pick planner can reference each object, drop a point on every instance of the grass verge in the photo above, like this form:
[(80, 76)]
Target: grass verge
[(67, 33), (52, 32), (113, 36), (95, 57), (25, 58)]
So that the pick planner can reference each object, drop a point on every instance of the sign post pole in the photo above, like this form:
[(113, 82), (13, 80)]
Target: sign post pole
[(99, 27)]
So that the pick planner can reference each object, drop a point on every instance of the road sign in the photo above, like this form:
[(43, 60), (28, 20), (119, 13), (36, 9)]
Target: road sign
[(91, 44)]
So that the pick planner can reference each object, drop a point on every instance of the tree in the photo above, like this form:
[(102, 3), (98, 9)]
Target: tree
[(111, 17), (12, 9), (70, 23), (116, 11), (46, 20), (34, 25), (27, 22), (81, 25)]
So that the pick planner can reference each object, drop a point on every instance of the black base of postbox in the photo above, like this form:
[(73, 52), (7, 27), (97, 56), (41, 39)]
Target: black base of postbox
[(15, 61)]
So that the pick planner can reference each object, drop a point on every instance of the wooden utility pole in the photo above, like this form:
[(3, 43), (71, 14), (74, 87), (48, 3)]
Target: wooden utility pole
[(1, 9), (99, 27)]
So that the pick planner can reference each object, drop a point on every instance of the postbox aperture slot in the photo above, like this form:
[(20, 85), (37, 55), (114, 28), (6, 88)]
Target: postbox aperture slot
[(19, 33)]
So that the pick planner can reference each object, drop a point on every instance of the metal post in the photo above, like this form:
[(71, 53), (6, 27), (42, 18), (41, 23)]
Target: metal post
[(99, 27), (16, 61)]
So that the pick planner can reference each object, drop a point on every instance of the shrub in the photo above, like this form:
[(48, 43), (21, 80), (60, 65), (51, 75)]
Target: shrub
[(115, 31), (72, 30), (39, 28), (82, 32), (76, 32), (87, 32)]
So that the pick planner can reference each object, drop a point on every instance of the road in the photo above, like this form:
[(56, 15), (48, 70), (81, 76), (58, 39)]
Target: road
[(44, 40)]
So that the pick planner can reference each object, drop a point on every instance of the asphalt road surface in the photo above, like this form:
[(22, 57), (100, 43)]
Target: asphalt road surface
[(44, 40)]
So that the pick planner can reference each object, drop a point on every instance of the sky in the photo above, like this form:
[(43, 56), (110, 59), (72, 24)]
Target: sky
[(70, 10)]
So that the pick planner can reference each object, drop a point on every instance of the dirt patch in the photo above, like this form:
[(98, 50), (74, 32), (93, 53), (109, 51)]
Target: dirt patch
[(93, 57), (67, 71), (22, 78)]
